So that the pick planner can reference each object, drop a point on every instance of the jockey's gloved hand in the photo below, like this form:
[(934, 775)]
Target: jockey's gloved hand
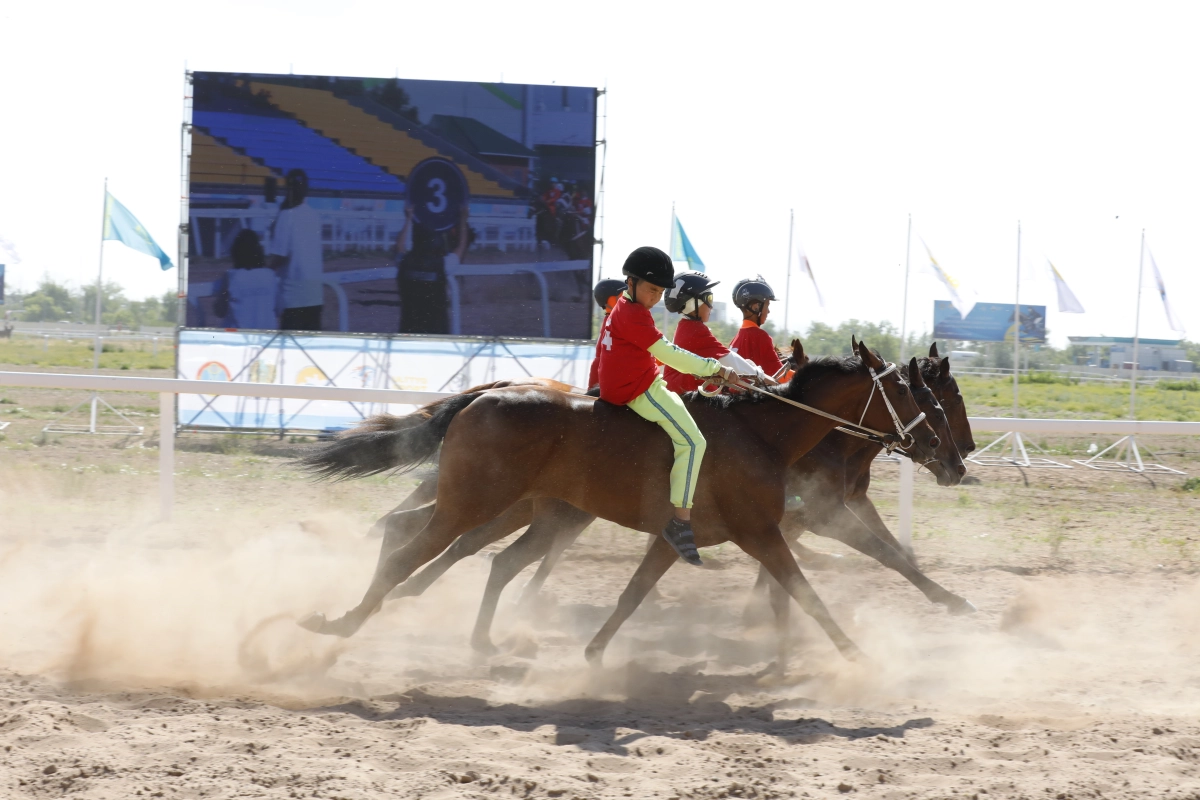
[(763, 378), (728, 375)]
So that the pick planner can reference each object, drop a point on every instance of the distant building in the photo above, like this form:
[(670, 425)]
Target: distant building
[(1116, 352)]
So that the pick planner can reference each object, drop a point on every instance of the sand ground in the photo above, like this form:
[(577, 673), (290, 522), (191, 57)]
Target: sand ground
[(149, 659)]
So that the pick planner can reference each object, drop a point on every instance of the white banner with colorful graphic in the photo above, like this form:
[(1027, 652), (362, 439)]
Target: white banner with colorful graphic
[(415, 363)]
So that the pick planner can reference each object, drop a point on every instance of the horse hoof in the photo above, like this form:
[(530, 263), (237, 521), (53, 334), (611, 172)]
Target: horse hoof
[(315, 622), (594, 656), (962, 607)]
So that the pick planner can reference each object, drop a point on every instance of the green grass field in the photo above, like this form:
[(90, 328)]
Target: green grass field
[(22, 351), (1169, 400), (1042, 395)]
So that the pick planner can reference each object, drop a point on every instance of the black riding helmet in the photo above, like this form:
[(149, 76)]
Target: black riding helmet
[(651, 265), (750, 293), (689, 285), (607, 289)]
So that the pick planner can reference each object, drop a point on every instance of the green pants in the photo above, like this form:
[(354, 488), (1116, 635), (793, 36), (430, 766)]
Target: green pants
[(663, 407)]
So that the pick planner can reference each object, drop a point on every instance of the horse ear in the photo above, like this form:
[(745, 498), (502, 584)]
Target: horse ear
[(914, 373), (933, 353), (945, 365), (799, 357), (868, 358), (853, 343)]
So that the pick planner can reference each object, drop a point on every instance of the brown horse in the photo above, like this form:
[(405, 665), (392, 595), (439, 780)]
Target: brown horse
[(504, 445), (833, 470), (836, 506)]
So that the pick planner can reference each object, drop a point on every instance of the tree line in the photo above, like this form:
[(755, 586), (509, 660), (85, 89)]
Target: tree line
[(52, 301)]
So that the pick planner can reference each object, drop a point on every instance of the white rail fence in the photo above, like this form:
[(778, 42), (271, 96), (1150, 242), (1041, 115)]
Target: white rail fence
[(168, 388)]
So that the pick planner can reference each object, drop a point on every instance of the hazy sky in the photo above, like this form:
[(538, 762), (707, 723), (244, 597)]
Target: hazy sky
[(1079, 119)]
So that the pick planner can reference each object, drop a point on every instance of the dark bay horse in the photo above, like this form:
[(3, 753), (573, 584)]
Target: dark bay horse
[(836, 506), (835, 473), (504, 445)]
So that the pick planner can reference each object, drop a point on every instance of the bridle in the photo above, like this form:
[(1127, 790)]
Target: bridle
[(900, 440)]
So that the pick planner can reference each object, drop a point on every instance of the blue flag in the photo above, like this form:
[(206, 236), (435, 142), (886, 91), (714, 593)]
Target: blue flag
[(681, 247), (119, 224)]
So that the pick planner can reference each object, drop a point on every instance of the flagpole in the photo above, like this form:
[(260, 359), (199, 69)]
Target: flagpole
[(904, 309), (787, 298), (99, 286), (1137, 324), (1017, 336)]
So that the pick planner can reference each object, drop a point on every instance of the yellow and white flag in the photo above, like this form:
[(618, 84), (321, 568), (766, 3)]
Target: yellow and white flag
[(1067, 302), (806, 268), (961, 297), (1174, 321)]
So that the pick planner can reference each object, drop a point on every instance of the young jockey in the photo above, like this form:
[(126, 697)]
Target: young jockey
[(752, 343), (629, 376), (692, 297), (607, 293)]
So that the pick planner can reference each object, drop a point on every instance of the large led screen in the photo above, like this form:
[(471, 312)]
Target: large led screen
[(374, 205)]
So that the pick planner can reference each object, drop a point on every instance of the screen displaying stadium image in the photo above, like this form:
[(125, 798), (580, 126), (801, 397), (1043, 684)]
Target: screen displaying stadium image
[(988, 322), (390, 206)]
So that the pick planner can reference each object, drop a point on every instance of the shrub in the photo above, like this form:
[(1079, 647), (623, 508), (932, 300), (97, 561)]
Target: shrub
[(1180, 386)]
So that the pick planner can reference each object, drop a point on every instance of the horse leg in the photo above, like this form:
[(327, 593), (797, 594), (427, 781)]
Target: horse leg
[(425, 493), (399, 529), (850, 527), (450, 520), (767, 546), (562, 541), (655, 563), (865, 510), (781, 605), (553, 520), (470, 543)]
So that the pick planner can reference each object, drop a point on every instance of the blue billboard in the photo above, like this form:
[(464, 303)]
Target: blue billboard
[(988, 322)]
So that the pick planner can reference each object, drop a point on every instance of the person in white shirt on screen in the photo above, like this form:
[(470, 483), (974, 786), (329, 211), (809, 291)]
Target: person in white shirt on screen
[(247, 295), (295, 251)]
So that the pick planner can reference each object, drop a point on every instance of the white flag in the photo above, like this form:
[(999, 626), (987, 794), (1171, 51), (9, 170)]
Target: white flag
[(1067, 302), (806, 268), (960, 297), (1172, 320)]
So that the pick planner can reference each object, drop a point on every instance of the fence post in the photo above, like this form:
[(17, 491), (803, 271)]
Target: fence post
[(906, 502), (166, 453)]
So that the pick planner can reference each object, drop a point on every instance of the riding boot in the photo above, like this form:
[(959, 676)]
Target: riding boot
[(678, 534)]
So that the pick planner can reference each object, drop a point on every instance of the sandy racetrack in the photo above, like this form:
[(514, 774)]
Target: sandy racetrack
[(143, 659)]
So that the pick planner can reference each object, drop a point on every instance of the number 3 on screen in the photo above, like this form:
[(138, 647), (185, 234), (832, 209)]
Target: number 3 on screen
[(438, 205)]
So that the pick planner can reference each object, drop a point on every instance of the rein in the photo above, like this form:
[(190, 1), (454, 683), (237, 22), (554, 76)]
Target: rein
[(901, 439)]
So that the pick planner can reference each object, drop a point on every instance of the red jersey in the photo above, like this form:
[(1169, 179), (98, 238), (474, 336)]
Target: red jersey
[(594, 372), (695, 337), (626, 367), (754, 344)]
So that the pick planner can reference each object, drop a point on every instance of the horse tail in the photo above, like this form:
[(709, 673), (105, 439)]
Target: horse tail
[(385, 442)]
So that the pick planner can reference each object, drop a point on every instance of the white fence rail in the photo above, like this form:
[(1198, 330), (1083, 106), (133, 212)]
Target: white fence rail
[(167, 388)]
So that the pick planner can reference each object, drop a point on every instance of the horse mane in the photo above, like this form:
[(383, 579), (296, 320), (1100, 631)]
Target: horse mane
[(814, 371)]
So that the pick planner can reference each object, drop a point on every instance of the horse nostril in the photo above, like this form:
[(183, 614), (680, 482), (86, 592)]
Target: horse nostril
[(962, 469), (934, 442)]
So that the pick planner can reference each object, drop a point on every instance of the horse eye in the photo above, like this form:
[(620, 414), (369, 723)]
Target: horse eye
[(902, 390)]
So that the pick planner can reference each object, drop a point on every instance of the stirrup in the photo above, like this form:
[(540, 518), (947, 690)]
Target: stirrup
[(679, 535)]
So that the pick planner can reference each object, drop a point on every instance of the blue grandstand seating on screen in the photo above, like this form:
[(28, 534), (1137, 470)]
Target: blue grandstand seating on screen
[(283, 144)]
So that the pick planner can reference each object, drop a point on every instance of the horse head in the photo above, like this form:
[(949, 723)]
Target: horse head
[(948, 394), (921, 441), (948, 466)]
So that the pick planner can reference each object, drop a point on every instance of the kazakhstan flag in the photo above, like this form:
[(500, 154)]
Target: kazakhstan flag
[(119, 224), (681, 247)]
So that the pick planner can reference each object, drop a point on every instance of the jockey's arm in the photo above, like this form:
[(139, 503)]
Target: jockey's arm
[(680, 359)]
